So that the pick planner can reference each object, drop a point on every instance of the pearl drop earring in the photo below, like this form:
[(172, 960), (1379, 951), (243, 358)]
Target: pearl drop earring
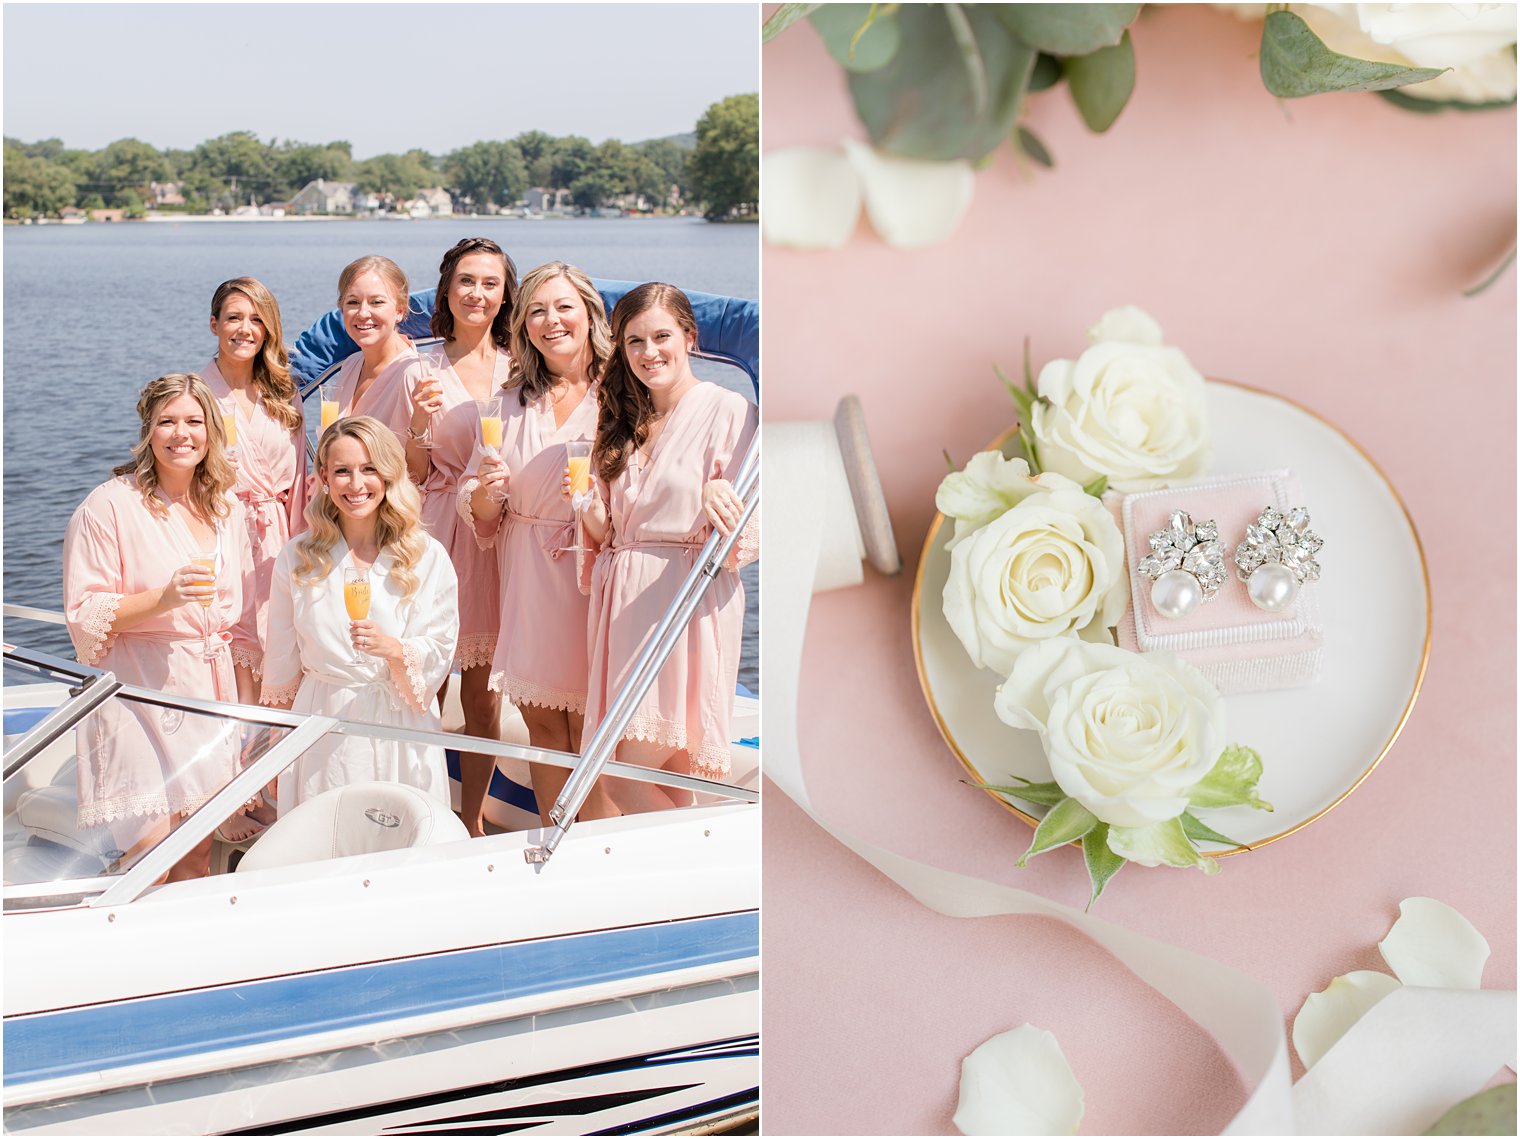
[(1277, 557), (1186, 565)]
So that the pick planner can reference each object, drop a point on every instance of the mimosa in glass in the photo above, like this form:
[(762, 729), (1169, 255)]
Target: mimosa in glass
[(578, 468), (356, 599)]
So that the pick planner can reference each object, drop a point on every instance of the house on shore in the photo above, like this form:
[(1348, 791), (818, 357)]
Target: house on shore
[(431, 203), (320, 196)]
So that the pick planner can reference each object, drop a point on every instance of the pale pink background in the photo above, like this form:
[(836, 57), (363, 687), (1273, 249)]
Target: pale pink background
[(1316, 249)]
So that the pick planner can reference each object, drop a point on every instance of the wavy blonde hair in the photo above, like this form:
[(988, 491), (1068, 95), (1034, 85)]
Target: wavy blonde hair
[(271, 368), (530, 375), (399, 517), (213, 476)]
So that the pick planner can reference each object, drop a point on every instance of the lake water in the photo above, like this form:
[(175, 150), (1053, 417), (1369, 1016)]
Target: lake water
[(94, 312)]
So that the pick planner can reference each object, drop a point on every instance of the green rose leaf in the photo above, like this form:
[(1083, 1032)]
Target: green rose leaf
[(1487, 1113), (783, 18), (1097, 486), (1102, 862), (1031, 144), (860, 37), (1295, 62), (1198, 831), (1046, 73), (1435, 106), (1046, 794), (1231, 782), (1022, 399), (1067, 29), (1159, 843), (936, 102), (1102, 82), (1066, 822)]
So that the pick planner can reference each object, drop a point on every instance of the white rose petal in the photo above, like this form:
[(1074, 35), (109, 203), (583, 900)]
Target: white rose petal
[(1050, 566), (988, 486), (1434, 946), (1127, 735), (1131, 409), (1326, 1016), (911, 203), (811, 198), (1019, 1083)]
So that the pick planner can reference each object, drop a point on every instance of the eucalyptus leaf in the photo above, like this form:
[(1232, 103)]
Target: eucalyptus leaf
[(1067, 29), (1046, 794), (1046, 73), (783, 18), (1102, 82), (1198, 831), (1231, 782), (1066, 822), (860, 37), (923, 103), (971, 58), (1487, 1113), (1102, 862), (1295, 62), (1435, 106), (1030, 144), (1097, 486)]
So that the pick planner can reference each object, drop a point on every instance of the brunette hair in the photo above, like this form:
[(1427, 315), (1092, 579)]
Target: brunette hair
[(399, 516), (387, 270), (214, 475), (624, 406), (442, 323), (271, 368), (530, 374)]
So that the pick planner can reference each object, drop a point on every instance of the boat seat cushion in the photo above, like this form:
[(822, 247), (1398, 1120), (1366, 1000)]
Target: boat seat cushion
[(361, 818)]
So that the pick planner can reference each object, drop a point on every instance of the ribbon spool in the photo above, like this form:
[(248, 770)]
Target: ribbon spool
[(832, 460)]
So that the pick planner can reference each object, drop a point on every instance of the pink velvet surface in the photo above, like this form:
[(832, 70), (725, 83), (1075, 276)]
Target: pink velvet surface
[(1316, 249)]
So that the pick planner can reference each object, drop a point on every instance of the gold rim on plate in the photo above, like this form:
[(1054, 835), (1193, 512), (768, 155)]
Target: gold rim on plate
[(1419, 676)]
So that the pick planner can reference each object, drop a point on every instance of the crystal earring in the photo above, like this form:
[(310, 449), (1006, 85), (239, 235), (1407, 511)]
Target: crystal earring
[(1277, 557), (1186, 565)]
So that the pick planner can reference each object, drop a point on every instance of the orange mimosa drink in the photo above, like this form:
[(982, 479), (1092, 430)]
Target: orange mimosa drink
[(356, 599), (329, 413), (578, 467), (490, 431), (229, 428), (207, 563)]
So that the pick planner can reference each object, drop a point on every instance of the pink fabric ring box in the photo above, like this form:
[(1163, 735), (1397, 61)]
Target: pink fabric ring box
[(1237, 646)]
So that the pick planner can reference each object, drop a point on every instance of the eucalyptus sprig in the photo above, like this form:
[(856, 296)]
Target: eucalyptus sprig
[(1231, 782)]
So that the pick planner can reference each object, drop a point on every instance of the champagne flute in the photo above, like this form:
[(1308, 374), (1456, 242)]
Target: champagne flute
[(356, 600), (428, 385), (328, 395), (206, 560), (230, 429), (578, 468)]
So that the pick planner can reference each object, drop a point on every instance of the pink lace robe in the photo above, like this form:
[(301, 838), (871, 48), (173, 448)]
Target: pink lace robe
[(658, 528), (272, 488), (311, 660), (541, 659), (140, 761), (454, 455)]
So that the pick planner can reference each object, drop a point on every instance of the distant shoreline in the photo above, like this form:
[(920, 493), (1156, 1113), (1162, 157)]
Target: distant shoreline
[(162, 219)]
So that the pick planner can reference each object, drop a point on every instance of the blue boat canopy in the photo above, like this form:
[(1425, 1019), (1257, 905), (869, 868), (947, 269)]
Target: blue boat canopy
[(728, 329)]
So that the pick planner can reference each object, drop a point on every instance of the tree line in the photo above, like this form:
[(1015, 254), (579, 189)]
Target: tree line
[(716, 168)]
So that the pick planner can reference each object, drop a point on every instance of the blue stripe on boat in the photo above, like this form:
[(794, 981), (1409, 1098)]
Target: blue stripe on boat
[(18, 720), (44, 1046)]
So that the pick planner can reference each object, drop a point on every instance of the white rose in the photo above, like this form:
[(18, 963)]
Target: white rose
[(1051, 565), (1129, 407), (988, 487), (1126, 734)]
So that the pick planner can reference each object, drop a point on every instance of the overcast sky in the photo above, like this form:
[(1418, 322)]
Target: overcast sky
[(386, 77)]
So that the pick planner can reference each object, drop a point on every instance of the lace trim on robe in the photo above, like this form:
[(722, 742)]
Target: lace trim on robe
[(249, 659), (407, 674), (285, 695), (476, 650), (520, 691), (92, 633), (710, 761), (747, 548), (462, 504), (103, 811)]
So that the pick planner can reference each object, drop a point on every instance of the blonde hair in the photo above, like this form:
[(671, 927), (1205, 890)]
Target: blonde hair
[(399, 516), (271, 369), (383, 267), (213, 476), (530, 375)]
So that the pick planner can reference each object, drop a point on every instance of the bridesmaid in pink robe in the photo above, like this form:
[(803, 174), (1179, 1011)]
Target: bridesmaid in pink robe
[(560, 344), (378, 379), (666, 447), (135, 602), (477, 287), (250, 377)]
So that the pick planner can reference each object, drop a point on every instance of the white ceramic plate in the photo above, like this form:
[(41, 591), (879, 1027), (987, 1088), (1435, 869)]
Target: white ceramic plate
[(1318, 742)]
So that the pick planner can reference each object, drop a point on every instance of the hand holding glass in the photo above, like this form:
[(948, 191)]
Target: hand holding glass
[(578, 471), (207, 563), (356, 600), (428, 387)]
